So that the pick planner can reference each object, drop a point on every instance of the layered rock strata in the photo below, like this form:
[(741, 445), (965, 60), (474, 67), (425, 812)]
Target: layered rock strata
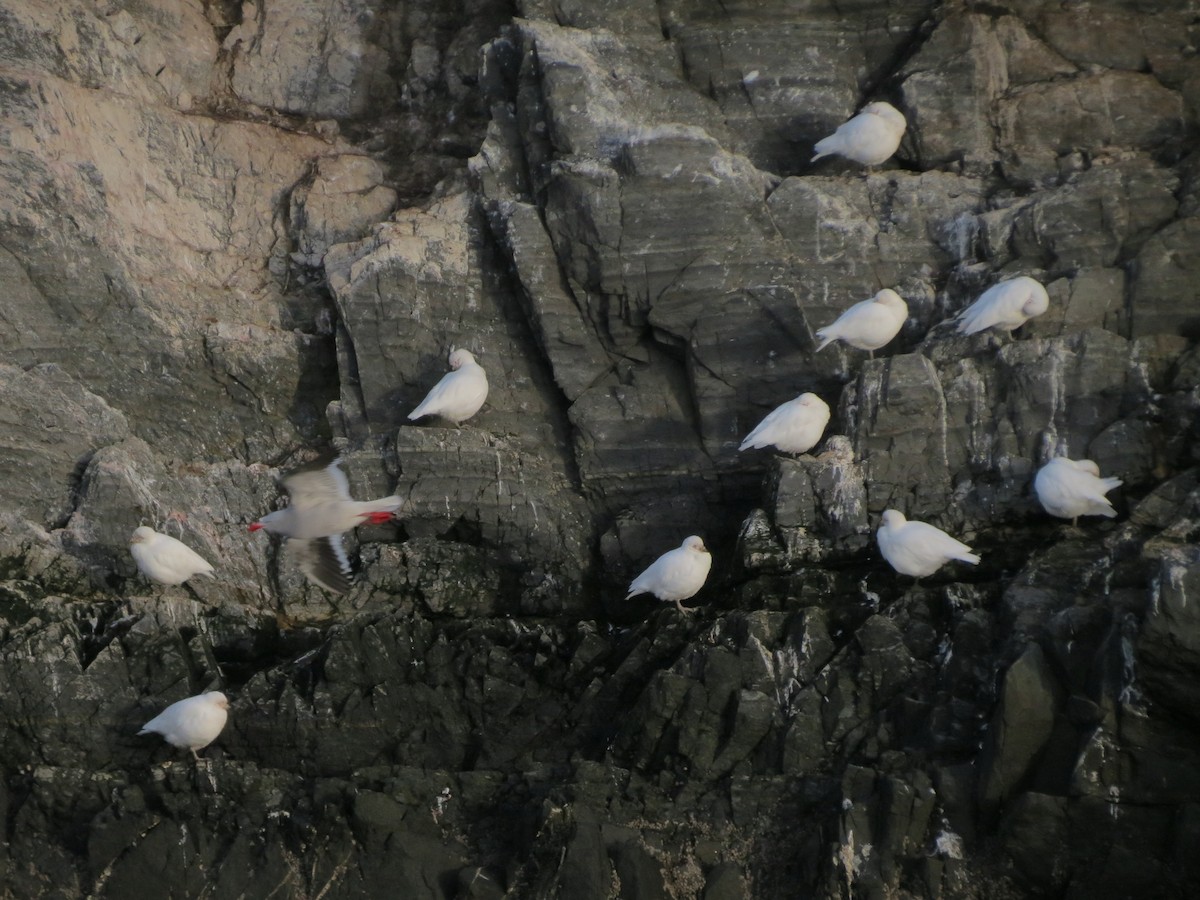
[(235, 234)]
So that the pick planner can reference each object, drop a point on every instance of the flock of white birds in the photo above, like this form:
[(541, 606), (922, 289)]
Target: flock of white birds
[(321, 509), (1066, 488)]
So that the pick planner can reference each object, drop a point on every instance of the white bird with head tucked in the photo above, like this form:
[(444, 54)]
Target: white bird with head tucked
[(869, 138), (191, 724), (868, 324), (1070, 488), (320, 509), (460, 394), (163, 559), (793, 427), (918, 548), (676, 575), (1007, 305)]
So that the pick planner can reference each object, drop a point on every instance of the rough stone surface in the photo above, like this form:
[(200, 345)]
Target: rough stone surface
[(233, 235), (1022, 724)]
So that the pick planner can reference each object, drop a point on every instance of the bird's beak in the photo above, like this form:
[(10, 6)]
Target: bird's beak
[(255, 526), (378, 518)]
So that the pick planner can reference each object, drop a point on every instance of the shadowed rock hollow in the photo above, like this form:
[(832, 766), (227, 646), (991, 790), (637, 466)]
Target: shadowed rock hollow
[(232, 235)]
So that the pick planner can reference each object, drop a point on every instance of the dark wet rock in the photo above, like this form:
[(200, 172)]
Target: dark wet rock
[(1034, 837), (639, 873), (1169, 642), (725, 882), (1021, 725), (1164, 289), (820, 504)]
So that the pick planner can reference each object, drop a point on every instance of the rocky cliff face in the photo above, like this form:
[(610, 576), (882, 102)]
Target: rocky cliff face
[(232, 234)]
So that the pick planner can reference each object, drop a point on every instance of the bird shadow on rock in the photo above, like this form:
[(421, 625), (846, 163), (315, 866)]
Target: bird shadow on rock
[(389, 412), (319, 382)]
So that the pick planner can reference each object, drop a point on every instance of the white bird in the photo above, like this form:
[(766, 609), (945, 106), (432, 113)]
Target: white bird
[(191, 724), (676, 575), (1070, 488), (868, 324), (869, 138), (917, 548), (1007, 305), (319, 511), (460, 393), (793, 427), (163, 559)]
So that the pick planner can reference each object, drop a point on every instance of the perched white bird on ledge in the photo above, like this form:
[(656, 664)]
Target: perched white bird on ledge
[(191, 724), (163, 559), (459, 395), (319, 511), (793, 427), (676, 575), (1007, 305), (868, 324), (869, 138), (917, 548), (1070, 488)]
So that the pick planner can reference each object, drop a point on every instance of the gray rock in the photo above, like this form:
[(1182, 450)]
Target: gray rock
[(307, 59), (51, 425), (484, 486), (889, 415), (1168, 646), (1046, 126), (565, 334), (821, 501), (612, 203), (725, 882), (778, 102), (1020, 727), (157, 55), (1163, 290), (156, 287), (992, 53), (345, 198), (638, 872), (1122, 203), (393, 365), (1034, 835)]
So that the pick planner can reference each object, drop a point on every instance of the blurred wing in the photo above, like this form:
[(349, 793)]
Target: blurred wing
[(323, 562), (319, 481)]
